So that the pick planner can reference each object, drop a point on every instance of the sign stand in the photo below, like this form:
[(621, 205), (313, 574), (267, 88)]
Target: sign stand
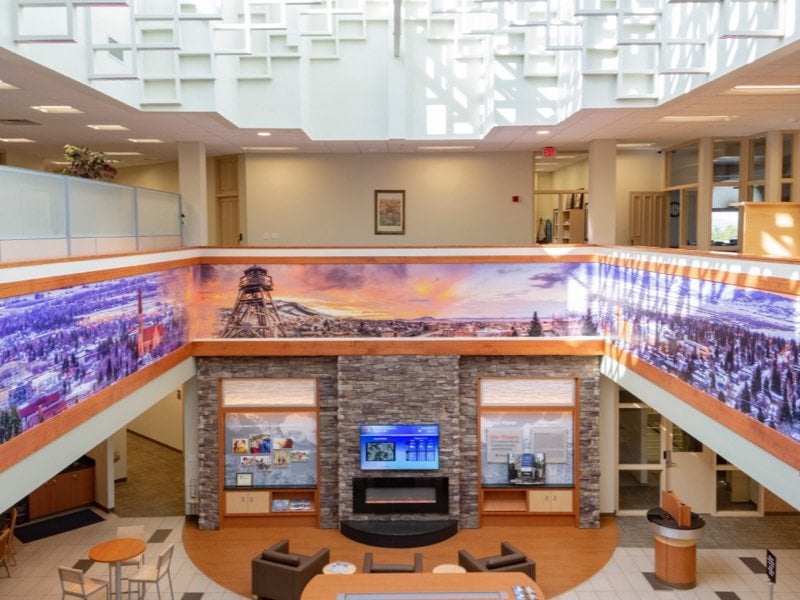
[(772, 569)]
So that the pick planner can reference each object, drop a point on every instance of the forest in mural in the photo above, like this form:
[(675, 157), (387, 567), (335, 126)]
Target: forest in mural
[(61, 346), (395, 300), (737, 345)]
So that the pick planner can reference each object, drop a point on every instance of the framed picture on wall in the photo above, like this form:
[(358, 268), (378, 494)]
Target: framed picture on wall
[(390, 212), (244, 480)]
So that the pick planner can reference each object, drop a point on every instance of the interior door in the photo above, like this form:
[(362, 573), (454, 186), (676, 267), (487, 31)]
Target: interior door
[(690, 471)]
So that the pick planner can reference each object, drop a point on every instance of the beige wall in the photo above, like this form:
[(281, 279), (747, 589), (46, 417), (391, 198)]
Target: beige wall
[(160, 176), (163, 422), (454, 199), (637, 171)]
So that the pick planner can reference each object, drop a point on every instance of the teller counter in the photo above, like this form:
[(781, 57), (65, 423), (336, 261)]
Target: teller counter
[(421, 586)]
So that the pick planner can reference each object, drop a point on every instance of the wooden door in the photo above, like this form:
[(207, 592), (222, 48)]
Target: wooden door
[(227, 198)]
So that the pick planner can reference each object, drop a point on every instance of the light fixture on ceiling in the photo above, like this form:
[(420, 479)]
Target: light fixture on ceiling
[(445, 148), (15, 140), (145, 140), (270, 148), (122, 153), (543, 132), (57, 109), (636, 145), (264, 133), (7, 86), (546, 164), (108, 127), (696, 119), (765, 89)]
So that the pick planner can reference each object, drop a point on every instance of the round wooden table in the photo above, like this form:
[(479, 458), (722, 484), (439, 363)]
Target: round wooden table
[(115, 551), (449, 568), (339, 567)]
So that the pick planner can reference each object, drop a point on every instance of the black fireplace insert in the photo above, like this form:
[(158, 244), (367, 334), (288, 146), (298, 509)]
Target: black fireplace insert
[(383, 495)]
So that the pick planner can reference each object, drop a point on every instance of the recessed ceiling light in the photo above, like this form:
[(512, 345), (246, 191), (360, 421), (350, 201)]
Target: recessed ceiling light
[(145, 140), (264, 133), (7, 86), (270, 148), (543, 132), (122, 153), (545, 164), (56, 109), (15, 140), (696, 119), (766, 89), (636, 145), (59, 162), (444, 148), (108, 127)]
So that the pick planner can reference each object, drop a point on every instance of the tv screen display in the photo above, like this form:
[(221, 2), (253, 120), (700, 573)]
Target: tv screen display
[(407, 447)]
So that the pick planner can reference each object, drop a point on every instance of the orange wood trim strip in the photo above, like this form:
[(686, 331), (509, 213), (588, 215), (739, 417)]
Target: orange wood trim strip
[(766, 438), (401, 346), (394, 259), (43, 284), (35, 438)]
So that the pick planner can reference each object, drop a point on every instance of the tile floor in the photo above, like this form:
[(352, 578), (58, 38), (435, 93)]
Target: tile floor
[(723, 573), (730, 557)]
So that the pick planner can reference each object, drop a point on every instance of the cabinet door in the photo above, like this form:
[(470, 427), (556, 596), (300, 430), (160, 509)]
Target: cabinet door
[(539, 500), (259, 502), (39, 500), (82, 487), (236, 503), (561, 501), (61, 492)]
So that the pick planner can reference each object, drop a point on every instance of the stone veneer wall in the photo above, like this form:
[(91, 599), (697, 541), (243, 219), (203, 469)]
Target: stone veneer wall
[(587, 368), (398, 389), (211, 370)]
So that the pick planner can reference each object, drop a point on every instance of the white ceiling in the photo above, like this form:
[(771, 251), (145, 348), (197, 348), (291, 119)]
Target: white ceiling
[(751, 114)]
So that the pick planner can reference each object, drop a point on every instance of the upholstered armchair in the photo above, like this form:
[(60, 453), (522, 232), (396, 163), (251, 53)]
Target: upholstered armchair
[(509, 559), (281, 575), (372, 567)]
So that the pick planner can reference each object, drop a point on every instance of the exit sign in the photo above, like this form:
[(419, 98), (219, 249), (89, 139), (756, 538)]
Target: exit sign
[(549, 152)]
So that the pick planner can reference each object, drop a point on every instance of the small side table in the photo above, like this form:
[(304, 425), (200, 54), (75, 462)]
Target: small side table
[(339, 567), (448, 568)]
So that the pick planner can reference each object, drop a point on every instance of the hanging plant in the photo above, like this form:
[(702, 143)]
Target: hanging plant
[(87, 164)]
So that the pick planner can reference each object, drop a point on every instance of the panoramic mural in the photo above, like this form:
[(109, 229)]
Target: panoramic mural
[(59, 347), (735, 344), (394, 300)]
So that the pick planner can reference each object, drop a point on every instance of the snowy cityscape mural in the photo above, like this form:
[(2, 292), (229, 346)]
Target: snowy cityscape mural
[(738, 345), (59, 347)]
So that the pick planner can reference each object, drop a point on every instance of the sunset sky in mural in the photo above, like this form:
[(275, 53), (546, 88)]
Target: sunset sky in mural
[(410, 291)]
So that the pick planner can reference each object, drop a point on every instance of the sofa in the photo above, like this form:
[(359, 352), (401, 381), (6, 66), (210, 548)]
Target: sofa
[(281, 575), (509, 559)]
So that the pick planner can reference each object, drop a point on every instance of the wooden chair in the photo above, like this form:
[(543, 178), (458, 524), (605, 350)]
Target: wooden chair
[(75, 583), (4, 549), (128, 531), (12, 523), (153, 574), (373, 567)]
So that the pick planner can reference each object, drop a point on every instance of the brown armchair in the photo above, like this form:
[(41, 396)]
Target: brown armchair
[(509, 559), (373, 567), (281, 575)]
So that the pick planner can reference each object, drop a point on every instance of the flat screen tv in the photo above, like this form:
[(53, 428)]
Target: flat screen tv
[(405, 447)]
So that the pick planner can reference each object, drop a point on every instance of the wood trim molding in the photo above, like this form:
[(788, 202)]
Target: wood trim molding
[(402, 346), (35, 438), (766, 438)]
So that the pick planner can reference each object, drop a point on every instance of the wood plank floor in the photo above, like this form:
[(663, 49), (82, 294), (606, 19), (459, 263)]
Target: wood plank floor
[(565, 555)]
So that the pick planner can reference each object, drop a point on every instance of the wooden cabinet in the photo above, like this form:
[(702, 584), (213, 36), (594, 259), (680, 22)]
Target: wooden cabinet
[(66, 490), (569, 226), (283, 502), (502, 505), (550, 501), (771, 229)]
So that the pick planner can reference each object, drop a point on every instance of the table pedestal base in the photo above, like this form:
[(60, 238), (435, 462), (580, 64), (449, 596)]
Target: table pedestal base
[(676, 562)]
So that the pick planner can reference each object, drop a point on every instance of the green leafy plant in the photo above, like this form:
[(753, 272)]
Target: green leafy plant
[(87, 164)]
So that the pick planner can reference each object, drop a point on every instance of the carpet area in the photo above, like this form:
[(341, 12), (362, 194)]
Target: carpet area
[(54, 525)]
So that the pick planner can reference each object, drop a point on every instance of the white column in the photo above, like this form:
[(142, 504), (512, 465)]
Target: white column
[(773, 166), (602, 210), (194, 194)]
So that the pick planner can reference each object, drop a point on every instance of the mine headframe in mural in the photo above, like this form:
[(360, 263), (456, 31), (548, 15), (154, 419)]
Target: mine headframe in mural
[(254, 315)]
